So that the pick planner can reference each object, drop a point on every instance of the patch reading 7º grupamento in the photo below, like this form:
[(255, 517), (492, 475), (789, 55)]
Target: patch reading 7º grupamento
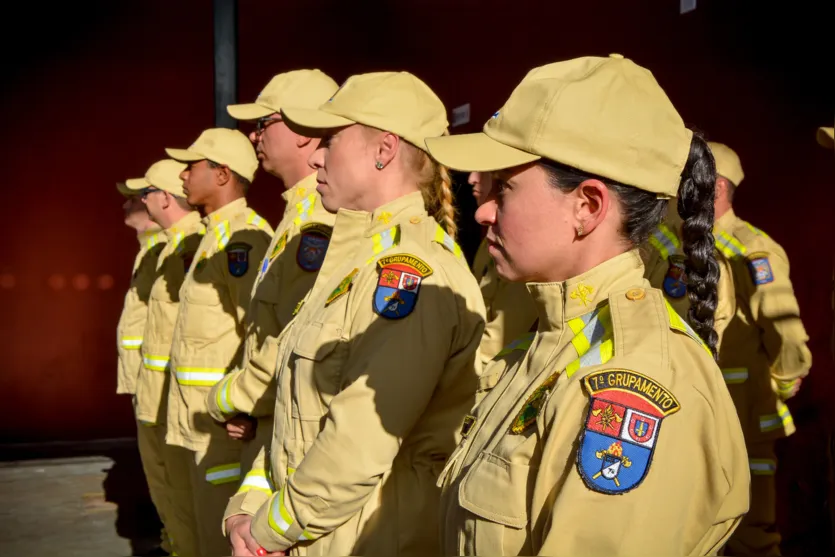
[(621, 429)]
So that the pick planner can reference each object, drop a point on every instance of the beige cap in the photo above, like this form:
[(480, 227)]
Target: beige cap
[(301, 88), (221, 146), (605, 116), (397, 102), (826, 137), (727, 162), (163, 175)]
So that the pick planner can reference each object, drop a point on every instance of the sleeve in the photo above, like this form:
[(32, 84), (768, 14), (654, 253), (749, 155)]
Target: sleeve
[(776, 312), (683, 496), (244, 253), (248, 390), (255, 489), (388, 380), (726, 305)]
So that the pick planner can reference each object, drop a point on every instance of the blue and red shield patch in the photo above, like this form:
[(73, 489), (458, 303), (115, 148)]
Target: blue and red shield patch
[(621, 429), (760, 268), (313, 246), (399, 284), (674, 285), (237, 258)]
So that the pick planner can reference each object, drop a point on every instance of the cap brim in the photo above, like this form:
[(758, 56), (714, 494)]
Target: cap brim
[(135, 185), (310, 122), (125, 190), (184, 155), (249, 111), (826, 137), (476, 152)]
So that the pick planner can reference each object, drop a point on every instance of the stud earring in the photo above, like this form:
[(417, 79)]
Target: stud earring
[(379, 165), (580, 230)]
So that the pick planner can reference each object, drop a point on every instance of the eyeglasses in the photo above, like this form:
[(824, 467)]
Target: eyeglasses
[(144, 193), (262, 124)]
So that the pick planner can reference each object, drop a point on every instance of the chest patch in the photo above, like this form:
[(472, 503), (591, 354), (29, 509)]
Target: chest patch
[(760, 268), (621, 429), (313, 246), (342, 288), (399, 284), (237, 258), (674, 285)]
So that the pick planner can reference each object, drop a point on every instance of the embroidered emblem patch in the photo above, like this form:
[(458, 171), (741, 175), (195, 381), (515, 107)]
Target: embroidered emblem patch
[(237, 258), (621, 429), (530, 410), (760, 268), (674, 285), (313, 246), (399, 284), (343, 287)]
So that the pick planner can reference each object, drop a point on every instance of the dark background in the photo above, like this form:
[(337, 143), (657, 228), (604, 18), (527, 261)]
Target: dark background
[(93, 92)]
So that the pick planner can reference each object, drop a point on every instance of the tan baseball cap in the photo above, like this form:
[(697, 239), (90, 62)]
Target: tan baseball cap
[(221, 146), (301, 88), (163, 175), (397, 102), (122, 188), (727, 162), (826, 137), (605, 116)]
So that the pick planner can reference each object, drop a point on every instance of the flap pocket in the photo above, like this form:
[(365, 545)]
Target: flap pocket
[(496, 490), (317, 340)]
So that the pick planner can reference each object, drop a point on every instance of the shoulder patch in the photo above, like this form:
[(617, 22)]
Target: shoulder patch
[(621, 429), (399, 284), (313, 246), (760, 268), (343, 287), (674, 285), (237, 257)]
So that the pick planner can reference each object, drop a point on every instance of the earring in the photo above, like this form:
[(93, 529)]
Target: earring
[(580, 230), (379, 165)]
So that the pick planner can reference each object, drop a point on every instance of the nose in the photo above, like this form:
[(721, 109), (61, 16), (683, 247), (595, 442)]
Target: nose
[(254, 136), (472, 179), (485, 215), (317, 159)]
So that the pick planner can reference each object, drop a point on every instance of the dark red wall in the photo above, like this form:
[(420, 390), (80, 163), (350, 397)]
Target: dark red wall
[(93, 94)]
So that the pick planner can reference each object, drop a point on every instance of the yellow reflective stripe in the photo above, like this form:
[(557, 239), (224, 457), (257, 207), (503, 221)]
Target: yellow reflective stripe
[(729, 246), (155, 363), (784, 413), (178, 237), (664, 240), (735, 375), (131, 343), (279, 519), (521, 343), (257, 480), (785, 387), (593, 339), (757, 231), (146, 423), (446, 240), (384, 240), (762, 466), (199, 376), (222, 234), (304, 208), (677, 323), (256, 219), (153, 240), (223, 400), (224, 473), (772, 422)]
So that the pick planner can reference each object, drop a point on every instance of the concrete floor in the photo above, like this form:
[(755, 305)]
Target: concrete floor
[(95, 506)]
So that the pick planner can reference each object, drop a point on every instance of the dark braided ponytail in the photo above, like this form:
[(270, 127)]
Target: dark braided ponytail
[(695, 207)]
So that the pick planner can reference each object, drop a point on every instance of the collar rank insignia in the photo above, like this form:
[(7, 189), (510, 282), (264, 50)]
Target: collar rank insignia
[(313, 246), (760, 268), (674, 285), (621, 429), (343, 287), (399, 284), (237, 258)]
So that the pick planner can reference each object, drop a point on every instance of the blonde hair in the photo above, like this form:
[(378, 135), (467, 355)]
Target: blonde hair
[(435, 185)]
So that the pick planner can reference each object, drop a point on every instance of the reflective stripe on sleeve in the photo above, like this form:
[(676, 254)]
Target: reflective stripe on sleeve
[(735, 375), (223, 400), (224, 473), (155, 363), (131, 343), (762, 466), (257, 480), (199, 376)]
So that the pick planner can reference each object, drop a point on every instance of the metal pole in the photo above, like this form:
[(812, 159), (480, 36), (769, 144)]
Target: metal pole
[(226, 60)]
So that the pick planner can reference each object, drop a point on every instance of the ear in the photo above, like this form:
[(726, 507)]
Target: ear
[(223, 175), (167, 200), (721, 189), (387, 149), (302, 141), (592, 205)]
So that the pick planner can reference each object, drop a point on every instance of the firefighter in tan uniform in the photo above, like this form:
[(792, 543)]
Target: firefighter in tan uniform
[(292, 263), (161, 189), (763, 354), (210, 326), (826, 139), (131, 328), (565, 456), (377, 370), (510, 309)]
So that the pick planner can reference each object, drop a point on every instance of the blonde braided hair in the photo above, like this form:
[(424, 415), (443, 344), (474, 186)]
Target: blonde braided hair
[(435, 185)]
